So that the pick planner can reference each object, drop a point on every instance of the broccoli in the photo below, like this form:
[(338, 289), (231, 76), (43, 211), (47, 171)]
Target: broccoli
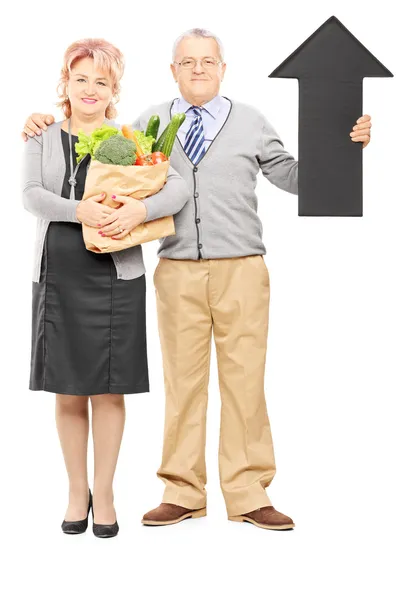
[(88, 144), (116, 150)]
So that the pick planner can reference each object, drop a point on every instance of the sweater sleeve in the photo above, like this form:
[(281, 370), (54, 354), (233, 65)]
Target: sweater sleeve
[(277, 165), (168, 201), (136, 123), (142, 120), (175, 193), (36, 198)]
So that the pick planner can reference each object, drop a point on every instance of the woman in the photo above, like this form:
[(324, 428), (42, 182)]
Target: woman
[(89, 332)]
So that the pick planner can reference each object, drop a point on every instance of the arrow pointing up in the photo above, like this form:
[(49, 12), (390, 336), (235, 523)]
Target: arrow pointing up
[(330, 66)]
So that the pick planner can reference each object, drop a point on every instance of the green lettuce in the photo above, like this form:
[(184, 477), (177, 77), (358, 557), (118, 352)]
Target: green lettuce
[(83, 146), (88, 144), (144, 142)]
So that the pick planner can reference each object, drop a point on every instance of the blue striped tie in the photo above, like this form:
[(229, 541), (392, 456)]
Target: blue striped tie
[(194, 140)]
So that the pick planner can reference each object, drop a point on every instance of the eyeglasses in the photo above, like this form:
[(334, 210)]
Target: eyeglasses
[(208, 62)]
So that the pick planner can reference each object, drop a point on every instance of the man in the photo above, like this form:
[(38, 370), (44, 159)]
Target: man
[(212, 278)]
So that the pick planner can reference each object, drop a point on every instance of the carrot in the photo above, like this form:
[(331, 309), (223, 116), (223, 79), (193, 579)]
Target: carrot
[(142, 158), (128, 133)]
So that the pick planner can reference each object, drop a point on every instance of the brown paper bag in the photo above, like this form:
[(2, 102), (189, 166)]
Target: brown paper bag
[(135, 181)]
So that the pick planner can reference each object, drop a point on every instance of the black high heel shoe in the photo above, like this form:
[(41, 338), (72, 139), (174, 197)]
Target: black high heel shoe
[(75, 527), (105, 531)]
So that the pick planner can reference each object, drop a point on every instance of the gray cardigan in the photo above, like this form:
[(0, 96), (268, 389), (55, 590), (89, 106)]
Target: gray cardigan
[(43, 177), (220, 220)]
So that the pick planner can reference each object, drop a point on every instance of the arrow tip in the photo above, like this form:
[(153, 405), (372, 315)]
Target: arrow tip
[(332, 46)]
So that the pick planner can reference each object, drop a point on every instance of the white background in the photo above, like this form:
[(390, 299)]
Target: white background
[(332, 378)]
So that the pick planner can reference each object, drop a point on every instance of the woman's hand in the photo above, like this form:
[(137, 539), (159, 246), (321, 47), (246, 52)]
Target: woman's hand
[(131, 214), (92, 213)]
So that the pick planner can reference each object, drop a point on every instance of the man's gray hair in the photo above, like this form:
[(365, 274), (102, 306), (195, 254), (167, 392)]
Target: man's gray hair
[(201, 33)]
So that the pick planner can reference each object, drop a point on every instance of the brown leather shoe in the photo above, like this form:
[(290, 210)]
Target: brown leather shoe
[(267, 518), (169, 514)]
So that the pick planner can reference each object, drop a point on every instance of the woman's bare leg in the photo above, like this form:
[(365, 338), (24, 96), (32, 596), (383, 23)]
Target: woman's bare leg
[(108, 420), (72, 421)]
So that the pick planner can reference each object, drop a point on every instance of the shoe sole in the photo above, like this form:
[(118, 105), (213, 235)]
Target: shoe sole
[(196, 514), (262, 526)]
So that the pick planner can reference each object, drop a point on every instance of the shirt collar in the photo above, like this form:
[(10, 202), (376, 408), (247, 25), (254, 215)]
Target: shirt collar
[(212, 107)]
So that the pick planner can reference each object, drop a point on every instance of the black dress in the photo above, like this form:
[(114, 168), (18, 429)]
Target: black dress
[(88, 327)]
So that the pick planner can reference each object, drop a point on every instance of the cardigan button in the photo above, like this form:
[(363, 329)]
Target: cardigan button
[(200, 246), (195, 169), (197, 220), (196, 195)]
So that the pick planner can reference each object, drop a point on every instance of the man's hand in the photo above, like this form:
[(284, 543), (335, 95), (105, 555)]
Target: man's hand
[(92, 213), (362, 130), (131, 214), (34, 125)]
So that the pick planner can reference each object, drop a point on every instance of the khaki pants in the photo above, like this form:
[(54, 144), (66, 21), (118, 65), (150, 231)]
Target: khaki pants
[(231, 298)]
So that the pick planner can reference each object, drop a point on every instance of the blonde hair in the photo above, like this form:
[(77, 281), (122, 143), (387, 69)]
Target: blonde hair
[(107, 58)]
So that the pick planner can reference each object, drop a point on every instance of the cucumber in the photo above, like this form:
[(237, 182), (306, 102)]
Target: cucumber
[(156, 146), (153, 126), (167, 139)]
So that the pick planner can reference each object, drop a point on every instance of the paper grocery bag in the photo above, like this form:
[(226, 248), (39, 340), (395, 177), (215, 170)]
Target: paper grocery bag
[(135, 181)]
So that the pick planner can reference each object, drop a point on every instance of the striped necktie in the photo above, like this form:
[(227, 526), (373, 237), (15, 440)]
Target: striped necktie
[(194, 140)]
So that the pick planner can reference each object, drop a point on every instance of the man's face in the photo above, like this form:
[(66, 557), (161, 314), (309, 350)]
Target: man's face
[(201, 83)]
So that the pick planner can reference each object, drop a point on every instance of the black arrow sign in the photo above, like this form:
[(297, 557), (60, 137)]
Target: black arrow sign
[(330, 66)]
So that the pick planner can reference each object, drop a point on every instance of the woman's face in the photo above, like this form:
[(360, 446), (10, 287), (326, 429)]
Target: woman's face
[(89, 91)]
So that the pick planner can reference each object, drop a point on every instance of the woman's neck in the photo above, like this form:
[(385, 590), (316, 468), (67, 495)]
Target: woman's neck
[(86, 123)]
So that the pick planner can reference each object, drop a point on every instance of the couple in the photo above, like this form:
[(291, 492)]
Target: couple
[(89, 309)]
